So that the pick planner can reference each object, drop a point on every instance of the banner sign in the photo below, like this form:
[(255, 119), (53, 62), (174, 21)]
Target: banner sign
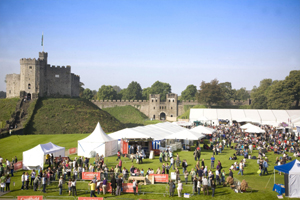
[(30, 197), (90, 175), (160, 178), (18, 165), (90, 198), (156, 152), (73, 150), (124, 147), (62, 158), (126, 188)]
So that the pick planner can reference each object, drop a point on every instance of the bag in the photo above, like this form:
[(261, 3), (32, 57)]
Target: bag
[(173, 186)]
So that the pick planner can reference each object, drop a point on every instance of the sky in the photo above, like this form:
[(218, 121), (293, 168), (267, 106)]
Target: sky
[(180, 42)]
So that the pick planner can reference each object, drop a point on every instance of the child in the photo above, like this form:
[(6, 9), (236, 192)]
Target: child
[(70, 186)]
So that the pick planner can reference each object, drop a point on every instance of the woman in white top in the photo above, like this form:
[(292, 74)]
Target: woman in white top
[(73, 184), (75, 172), (179, 188), (199, 186), (7, 183), (26, 180)]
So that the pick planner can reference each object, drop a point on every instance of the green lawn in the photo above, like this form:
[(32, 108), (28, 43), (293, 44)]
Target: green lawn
[(15, 145)]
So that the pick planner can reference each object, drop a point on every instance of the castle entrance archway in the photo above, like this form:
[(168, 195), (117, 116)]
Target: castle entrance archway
[(28, 96), (162, 116)]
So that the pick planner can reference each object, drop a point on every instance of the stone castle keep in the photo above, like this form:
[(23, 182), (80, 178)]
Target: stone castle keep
[(38, 79)]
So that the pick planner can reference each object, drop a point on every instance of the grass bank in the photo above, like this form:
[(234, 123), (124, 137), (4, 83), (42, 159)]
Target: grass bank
[(69, 115), (7, 108)]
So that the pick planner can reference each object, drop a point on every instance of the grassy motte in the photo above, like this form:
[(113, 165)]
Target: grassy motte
[(129, 116), (7, 108), (69, 115)]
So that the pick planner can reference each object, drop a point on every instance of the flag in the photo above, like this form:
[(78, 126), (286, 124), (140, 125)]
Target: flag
[(42, 43)]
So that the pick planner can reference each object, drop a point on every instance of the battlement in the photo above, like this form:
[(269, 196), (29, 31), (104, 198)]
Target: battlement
[(29, 61), (58, 68)]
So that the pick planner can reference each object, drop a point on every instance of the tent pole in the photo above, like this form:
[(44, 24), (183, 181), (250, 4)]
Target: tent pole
[(274, 176)]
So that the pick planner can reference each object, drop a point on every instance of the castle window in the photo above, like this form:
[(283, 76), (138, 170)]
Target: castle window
[(9, 91), (56, 75), (29, 86), (152, 100), (173, 100), (159, 107), (153, 108), (171, 107), (171, 115), (30, 67), (155, 100), (169, 100)]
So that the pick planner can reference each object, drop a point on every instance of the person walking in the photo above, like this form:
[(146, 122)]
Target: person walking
[(23, 180), (265, 165), (93, 188), (186, 174), (213, 187), (2, 182), (205, 185), (36, 182), (241, 168), (7, 186), (199, 185), (134, 186), (104, 184), (171, 188), (60, 185), (113, 185), (179, 188), (212, 162), (73, 185)]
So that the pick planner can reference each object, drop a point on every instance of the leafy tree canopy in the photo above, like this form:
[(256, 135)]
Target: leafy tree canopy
[(211, 93), (189, 93), (87, 94), (161, 88), (106, 92), (133, 91)]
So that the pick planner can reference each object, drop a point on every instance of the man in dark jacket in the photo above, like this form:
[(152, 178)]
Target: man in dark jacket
[(119, 186), (113, 185)]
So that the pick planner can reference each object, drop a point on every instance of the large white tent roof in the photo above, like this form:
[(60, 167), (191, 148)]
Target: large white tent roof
[(270, 117), (186, 135), (203, 130), (98, 135)]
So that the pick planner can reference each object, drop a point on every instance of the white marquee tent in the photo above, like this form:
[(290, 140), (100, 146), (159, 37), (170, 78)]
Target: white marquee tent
[(35, 157), (186, 135), (97, 142), (270, 117), (203, 130)]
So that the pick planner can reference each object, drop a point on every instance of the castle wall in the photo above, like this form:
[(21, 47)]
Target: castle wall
[(75, 84), (12, 85), (58, 81), (141, 105)]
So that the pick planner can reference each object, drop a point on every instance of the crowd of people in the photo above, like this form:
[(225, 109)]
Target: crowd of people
[(203, 178)]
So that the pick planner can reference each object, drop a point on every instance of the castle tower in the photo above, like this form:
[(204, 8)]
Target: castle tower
[(171, 100), (29, 76), (154, 103)]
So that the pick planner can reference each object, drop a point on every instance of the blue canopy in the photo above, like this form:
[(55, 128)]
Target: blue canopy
[(286, 168)]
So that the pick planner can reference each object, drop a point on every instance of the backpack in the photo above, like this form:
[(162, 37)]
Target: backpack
[(173, 186)]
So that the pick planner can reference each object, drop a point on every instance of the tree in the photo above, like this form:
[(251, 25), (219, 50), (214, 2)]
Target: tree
[(189, 93), (279, 96), (81, 89), (87, 94), (117, 88), (227, 90), (259, 94), (242, 94), (211, 93), (133, 91), (2, 94), (145, 93), (106, 93), (292, 83), (161, 88)]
